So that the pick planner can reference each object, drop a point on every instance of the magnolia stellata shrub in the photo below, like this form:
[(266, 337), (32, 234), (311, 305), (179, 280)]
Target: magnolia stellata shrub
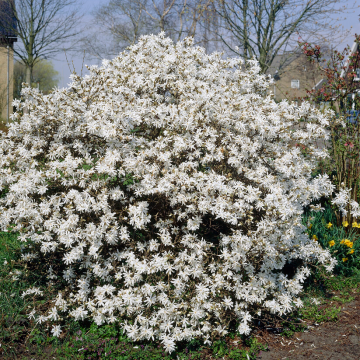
[(163, 190)]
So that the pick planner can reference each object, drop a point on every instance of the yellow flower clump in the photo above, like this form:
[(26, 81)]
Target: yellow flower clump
[(345, 259), (331, 243), (329, 225), (347, 242)]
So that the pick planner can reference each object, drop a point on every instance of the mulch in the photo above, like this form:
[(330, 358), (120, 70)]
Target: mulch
[(338, 340)]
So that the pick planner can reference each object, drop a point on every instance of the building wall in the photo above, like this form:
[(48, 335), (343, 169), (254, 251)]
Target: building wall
[(3, 80), (300, 69)]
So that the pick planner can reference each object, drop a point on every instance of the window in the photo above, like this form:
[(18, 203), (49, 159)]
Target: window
[(357, 76), (295, 84)]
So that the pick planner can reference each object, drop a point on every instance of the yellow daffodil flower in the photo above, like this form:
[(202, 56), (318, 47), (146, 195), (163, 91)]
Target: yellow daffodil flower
[(315, 237), (351, 251), (355, 224), (345, 224), (310, 226), (331, 243), (346, 242), (345, 259), (329, 225), (349, 244)]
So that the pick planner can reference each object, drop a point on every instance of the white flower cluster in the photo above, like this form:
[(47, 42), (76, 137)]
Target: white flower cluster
[(168, 186), (343, 201)]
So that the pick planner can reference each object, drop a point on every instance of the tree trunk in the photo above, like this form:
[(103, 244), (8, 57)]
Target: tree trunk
[(28, 75), (28, 81)]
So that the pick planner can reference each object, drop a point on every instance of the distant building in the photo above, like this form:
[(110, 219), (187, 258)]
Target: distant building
[(351, 97), (293, 74), (7, 39)]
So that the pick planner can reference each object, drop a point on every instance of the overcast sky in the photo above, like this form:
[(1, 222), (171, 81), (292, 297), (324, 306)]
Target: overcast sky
[(60, 63)]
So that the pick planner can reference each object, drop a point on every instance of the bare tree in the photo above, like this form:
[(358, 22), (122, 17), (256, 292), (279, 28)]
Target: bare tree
[(189, 14), (44, 28), (120, 23), (124, 21), (207, 31), (265, 28)]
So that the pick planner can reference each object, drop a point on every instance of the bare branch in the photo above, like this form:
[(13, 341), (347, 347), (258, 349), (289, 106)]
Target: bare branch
[(263, 28), (44, 28), (124, 21)]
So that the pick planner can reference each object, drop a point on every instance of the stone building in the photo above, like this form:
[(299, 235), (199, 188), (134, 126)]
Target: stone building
[(7, 39)]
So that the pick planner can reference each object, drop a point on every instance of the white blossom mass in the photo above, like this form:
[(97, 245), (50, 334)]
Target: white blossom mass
[(165, 191)]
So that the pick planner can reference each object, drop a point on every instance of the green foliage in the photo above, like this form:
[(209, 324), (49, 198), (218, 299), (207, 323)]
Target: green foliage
[(291, 327), (318, 315), (254, 348), (322, 226), (346, 297), (220, 348), (13, 308), (4, 192), (43, 73), (128, 180), (343, 164)]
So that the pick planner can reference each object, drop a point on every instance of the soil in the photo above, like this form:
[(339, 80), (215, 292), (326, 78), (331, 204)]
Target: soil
[(338, 340)]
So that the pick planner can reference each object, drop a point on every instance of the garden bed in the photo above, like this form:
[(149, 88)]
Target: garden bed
[(338, 339)]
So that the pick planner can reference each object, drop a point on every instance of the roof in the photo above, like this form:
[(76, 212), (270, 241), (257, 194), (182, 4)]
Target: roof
[(7, 20), (281, 61), (320, 84), (352, 52)]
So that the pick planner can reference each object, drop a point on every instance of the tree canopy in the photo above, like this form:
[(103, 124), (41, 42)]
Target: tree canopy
[(43, 74)]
